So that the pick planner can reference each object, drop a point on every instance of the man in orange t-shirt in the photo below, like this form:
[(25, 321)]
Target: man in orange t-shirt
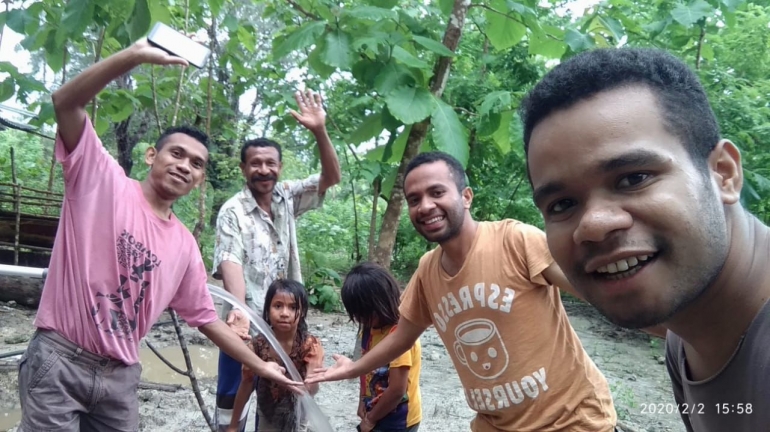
[(489, 289)]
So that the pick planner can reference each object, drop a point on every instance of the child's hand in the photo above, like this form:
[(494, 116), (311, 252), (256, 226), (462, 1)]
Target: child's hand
[(339, 371), (238, 323), (366, 425), (361, 409), (275, 373)]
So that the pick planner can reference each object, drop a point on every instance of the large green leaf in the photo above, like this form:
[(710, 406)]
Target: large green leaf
[(449, 134), (7, 89), (247, 39), (732, 4), (688, 15), (503, 31), (371, 13), (76, 17), (159, 12), (19, 19), (546, 46), (496, 102), (215, 6), (393, 75), (613, 27), (433, 45), (316, 62), (446, 6), (502, 136), (408, 59), (578, 41), (337, 53), (369, 128), (410, 104), (387, 4), (140, 21), (303, 37)]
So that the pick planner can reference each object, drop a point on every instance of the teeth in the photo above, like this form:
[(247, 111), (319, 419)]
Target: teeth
[(623, 265), (433, 220)]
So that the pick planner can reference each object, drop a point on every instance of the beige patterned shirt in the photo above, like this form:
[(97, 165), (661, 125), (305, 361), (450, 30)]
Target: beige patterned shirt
[(267, 249)]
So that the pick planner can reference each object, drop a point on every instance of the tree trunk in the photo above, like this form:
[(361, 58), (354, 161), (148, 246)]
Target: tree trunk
[(125, 147), (383, 252), (373, 221)]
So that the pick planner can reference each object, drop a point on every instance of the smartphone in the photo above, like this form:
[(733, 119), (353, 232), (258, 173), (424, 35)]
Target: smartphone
[(175, 43)]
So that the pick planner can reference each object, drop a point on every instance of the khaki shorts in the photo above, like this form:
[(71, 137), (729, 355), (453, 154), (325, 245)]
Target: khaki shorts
[(64, 388)]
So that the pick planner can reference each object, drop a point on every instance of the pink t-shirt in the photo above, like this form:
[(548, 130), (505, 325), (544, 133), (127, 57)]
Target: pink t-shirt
[(116, 266)]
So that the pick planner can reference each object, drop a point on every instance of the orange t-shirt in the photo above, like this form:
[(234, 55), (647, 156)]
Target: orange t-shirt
[(521, 364)]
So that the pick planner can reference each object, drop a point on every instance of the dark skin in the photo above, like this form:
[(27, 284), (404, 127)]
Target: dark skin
[(613, 182)]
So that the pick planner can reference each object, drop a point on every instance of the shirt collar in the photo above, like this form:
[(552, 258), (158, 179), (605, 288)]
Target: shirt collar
[(247, 198)]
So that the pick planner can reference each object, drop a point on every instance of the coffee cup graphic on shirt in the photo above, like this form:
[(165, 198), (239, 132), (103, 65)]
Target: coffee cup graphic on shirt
[(480, 348)]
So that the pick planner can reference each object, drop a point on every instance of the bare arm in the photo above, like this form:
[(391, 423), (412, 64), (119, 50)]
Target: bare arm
[(313, 117), (390, 348), (219, 333), (70, 100), (241, 397), (232, 279), (555, 276)]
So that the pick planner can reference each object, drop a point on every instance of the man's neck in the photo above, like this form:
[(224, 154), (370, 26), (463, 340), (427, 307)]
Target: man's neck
[(264, 201), (160, 206), (711, 328), (455, 251)]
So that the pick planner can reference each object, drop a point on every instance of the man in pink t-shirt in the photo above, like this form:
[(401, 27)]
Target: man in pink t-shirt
[(120, 259)]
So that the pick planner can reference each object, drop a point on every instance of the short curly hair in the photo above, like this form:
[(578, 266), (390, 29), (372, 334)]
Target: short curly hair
[(684, 105)]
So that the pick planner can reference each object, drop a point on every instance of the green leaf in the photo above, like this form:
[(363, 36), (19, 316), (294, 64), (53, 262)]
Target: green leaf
[(387, 4), (77, 15), (54, 60), (337, 51), (370, 13), (303, 37), (102, 124), (370, 170), (541, 44), (707, 52), (449, 134), (389, 181), (7, 89), (488, 124), (495, 102), (140, 21), (502, 137), (159, 12), (408, 59), (315, 61), (578, 41), (410, 104), (446, 6), (3, 17), (732, 4), (523, 10), (369, 128), (247, 39), (46, 113), (393, 75), (230, 22), (216, 6), (18, 20), (432, 45), (388, 121), (613, 27), (503, 31), (688, 15)]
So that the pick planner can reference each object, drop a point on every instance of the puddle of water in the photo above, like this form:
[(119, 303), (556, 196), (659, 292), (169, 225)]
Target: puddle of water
[(9, 418), (204, 361)]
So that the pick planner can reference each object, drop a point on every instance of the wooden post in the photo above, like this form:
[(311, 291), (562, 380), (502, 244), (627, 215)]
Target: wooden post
[(16, 208)]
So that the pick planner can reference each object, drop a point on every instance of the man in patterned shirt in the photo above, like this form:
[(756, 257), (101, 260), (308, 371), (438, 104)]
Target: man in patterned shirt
[(256, 240)]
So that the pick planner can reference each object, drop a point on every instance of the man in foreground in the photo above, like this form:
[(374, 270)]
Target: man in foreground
[(256, 241), (489, 289), (120, 259), (641, 200)]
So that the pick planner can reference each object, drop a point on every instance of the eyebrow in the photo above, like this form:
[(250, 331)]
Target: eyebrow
[(633, 159)]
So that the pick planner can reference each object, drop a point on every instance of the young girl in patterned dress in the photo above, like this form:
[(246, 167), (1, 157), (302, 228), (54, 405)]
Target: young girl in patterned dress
[(286, 306)]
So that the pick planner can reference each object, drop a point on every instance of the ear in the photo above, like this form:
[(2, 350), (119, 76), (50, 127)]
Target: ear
[(150, 155), (726, 170), (467, 197)]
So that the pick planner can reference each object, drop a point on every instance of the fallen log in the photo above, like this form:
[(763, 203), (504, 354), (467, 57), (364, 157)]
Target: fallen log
[(23, 290), (146, 385)]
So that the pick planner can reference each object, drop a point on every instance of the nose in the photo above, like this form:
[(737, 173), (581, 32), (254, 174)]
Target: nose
[(184, 166), (600, 219), (425, 206), (284, 312)]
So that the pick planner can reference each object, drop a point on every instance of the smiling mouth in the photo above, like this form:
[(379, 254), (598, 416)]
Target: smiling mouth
[(177, 176), (624, 268), (433, 220)]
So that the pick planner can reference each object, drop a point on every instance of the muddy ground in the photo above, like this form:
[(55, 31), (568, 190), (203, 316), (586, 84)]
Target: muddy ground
[(632, 364)]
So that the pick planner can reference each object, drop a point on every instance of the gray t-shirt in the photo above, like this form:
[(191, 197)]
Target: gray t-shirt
[(736, 399)]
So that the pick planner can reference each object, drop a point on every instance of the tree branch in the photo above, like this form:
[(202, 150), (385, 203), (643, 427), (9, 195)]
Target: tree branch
[(24, 128), (302, 10), (163, 359), (155, 99), (700, 44), (182, 73)]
